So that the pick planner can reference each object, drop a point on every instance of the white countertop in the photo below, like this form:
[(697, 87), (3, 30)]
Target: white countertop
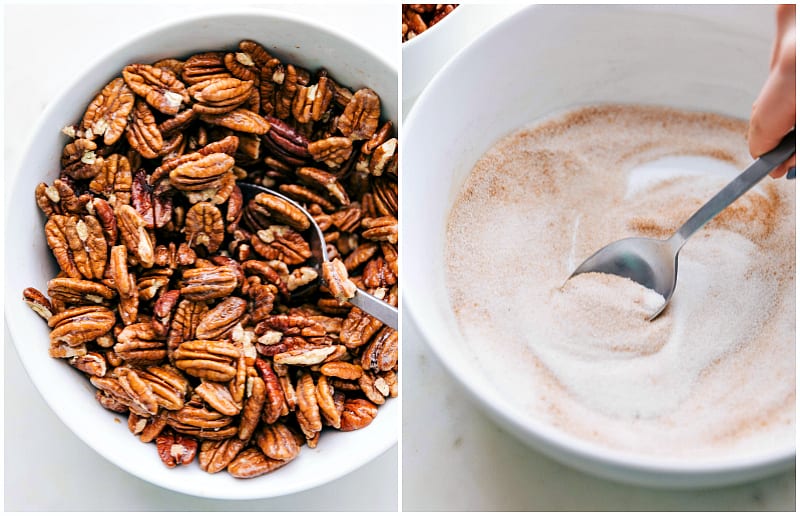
[(456, 458), (47, 468)]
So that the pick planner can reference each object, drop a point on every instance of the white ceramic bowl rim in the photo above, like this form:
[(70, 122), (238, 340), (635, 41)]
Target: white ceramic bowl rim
[(548, 434), (16, 327)]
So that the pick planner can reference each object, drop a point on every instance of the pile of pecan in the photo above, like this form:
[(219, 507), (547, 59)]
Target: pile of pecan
[(417, 18), (198, 312)]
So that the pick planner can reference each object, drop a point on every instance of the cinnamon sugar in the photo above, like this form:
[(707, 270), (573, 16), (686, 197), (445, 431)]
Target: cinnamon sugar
[(715, 374)]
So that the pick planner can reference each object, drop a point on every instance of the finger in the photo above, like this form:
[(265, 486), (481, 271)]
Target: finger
[(784, 167), (773, 113)]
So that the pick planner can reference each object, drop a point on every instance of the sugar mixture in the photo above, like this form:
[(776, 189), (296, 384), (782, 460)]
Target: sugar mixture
[(714, 375)]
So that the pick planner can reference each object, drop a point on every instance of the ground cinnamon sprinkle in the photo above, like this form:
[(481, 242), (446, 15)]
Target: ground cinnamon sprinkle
[(715, 374)]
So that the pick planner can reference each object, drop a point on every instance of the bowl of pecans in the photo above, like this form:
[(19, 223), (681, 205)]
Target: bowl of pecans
[(179, 326)]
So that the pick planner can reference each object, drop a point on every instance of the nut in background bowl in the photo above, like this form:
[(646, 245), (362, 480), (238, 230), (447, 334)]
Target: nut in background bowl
[(293, 39), (543, 60)]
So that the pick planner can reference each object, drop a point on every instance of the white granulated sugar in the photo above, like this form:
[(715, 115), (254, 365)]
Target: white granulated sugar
[(714, 375)]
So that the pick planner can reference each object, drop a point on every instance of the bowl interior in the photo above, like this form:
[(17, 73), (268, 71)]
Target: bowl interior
[(290, 38), (543, 60)]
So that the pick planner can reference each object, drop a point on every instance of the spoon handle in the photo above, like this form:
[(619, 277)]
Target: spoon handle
[(384, 312), (736, 188)]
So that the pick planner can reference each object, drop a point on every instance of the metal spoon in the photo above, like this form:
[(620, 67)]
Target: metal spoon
[(654, 263), (382, 311)]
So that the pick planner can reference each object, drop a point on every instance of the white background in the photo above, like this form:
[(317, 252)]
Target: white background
[(47, 468)]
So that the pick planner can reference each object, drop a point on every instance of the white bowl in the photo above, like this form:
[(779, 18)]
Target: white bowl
[(425, 54), (542, 60), (30, 262)]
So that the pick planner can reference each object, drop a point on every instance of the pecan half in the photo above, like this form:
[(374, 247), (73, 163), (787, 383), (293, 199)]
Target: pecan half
[(142, 133), (184, 323), (302, 194), (357, 414), (377, 274), (360, 255), (158, 86), (173, 65), (205, 283), (207, 359), (204, 226), (277, 442), (359, 121), (374, 387), (291, 326), (307, 409), (218, 397), (154, 206), (252, 463), (141, 398), (275, 404), (219, 322), (179, 122), (333, 151), (358, 328), (169, 386), (81, 324), (327, 403), (175, 449), (147, 428), (107, 114), (71, 291), (380, 137), (283, 211), (285, 94), (242, 66), (385, 197), (93, 364), (348, 218), (281, 243), (380, 229), (133, 234), (344, 370), (217, 96), (381, 354), (138, 344), (335, 278), (324, 181), (203, 67), (305, 356), (38, 302), (242, 120), (114, 180), (79, 161), (125, 283), (201, 173), (217, 455), (253, 407)]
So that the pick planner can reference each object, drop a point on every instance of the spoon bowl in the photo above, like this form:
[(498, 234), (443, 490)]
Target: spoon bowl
[(647, 261), (654, 263)]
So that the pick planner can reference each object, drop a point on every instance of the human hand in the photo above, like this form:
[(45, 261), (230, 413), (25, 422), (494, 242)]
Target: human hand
[(774, 111)]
